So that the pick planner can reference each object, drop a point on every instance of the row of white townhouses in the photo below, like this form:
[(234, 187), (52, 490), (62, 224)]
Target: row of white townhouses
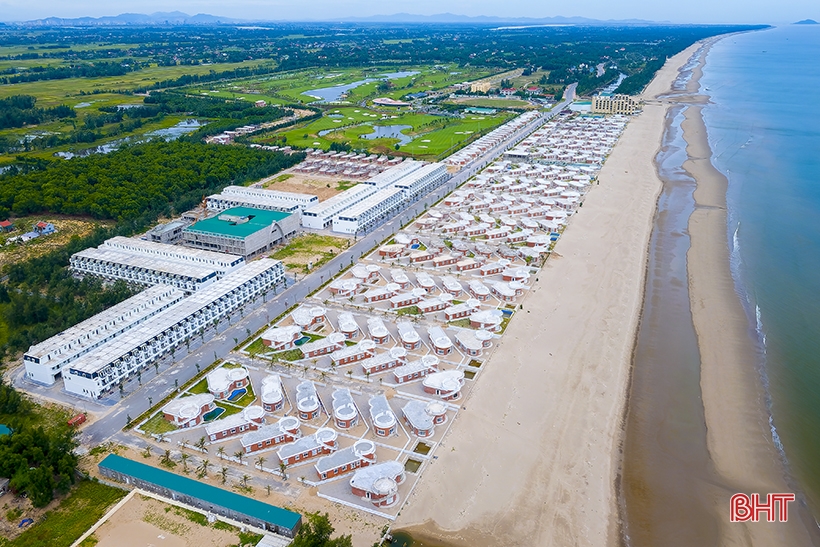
[(95, 356), (362, 206), (259, 198), (150, 263)]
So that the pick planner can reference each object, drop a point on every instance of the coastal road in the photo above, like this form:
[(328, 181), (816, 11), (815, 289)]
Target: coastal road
[(173, 373)]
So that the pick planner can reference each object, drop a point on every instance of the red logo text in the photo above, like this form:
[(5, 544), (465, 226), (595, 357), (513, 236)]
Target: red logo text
[(775, 507)]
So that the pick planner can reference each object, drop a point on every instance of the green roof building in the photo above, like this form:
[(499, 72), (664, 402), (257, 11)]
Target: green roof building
[(243, 231), (201, 495)]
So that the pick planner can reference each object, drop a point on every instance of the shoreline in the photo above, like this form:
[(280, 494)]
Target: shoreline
[(534, 455), (738, 434)]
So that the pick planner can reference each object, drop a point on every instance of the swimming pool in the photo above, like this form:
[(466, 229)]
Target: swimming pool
[(237, 393)]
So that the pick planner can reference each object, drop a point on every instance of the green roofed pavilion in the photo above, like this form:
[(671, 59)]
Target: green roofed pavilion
[(201, 495), (238, 222)]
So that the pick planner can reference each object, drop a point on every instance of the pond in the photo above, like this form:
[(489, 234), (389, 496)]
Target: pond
[(334, 93), (169, 134), (389, 132)]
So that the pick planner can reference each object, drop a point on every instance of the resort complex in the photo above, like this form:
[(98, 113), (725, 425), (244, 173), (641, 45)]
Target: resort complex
[(353, 387)]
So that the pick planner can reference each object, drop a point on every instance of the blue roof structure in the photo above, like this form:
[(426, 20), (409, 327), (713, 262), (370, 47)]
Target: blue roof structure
[(211, 494)]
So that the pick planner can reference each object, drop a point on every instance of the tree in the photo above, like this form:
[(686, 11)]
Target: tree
[(260, 461), (221, 452), (202, 470), (244, 480), (185, 457), (283, 467), (224, 474), (238, 455), (316, 531)]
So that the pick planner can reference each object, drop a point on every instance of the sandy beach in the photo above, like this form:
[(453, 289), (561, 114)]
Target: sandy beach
[(738, 435), (532, 459)]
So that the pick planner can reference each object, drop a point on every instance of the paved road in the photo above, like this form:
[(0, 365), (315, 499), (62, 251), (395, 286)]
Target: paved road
[(171, 374)]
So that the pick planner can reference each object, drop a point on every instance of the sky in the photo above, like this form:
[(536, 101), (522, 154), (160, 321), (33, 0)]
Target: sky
[(676, 11)]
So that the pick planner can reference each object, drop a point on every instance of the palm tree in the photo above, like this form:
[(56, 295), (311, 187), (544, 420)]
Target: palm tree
[(166, 457), (260, 461), (267, 488), (202, 470), (282, 468), (221, 452), (244, 480), (184, 444), (200, 444), (185, 458), (147, 453), (224, 474), (238, 455)]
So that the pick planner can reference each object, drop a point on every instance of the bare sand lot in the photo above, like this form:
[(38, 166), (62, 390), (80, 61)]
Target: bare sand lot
[(321, 186), (532, 459), (146, 522)]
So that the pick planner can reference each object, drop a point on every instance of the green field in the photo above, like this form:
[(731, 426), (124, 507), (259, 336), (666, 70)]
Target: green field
[(61, 527), (55, 92), (493, 103)]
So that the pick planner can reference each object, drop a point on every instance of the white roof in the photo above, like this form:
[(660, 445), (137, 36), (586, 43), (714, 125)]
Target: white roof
[(303, 315), (101, 357), (428, 362), (344, 408), (347, 323), (345, 456), (376, 327), (271, 390), (380, 479), (282, 335), (94, 330), (446, 381), (380, 412), (198, 272), (283, 426), (348, 351), (187, 408), (322, 437), (439, 337), (407, 332), (307, 400), (247, 415), (222, 261), (219, 379)]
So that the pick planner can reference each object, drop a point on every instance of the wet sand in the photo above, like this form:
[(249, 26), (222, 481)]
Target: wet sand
[(684, 459), (533, 457)]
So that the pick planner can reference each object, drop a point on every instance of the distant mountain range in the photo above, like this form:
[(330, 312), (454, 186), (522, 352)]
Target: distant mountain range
[(807, 22), (178, 18), (173, 18)]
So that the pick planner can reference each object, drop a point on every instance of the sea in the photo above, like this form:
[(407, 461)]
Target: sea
[(764, 128)]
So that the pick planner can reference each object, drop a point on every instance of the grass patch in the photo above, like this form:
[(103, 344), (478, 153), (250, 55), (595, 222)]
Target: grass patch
[(289, 355), (257, 346), (158, 425), (229, 410), (193, 516), (76, 513), (249, 538), (310, 251), (409, 310), (469, 374), (463, 323), (199, 387), (283, 178), (90, 541), (345, 185), (474, 363)]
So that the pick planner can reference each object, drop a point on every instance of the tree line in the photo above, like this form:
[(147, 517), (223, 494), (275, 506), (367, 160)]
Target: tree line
[(84, 70), (127, 183), (20, 110), (38, 460)]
